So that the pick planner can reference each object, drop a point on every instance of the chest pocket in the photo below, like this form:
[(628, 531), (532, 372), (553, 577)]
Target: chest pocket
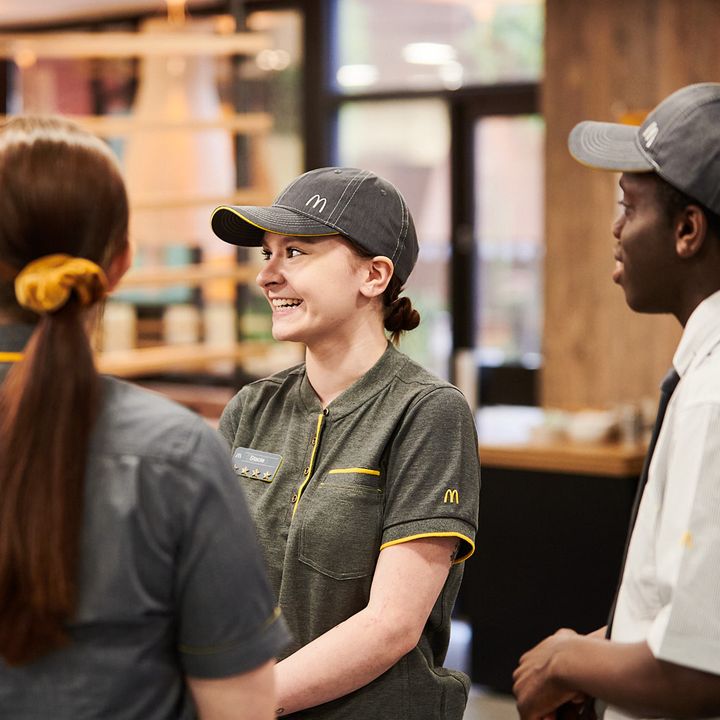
[(342, 524)]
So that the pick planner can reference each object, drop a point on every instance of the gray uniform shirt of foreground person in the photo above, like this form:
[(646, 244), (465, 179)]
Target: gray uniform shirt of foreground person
[(172, 582), (391, 459)]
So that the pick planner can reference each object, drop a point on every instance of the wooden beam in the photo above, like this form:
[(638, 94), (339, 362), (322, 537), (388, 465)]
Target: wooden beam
[(145, 361), (187, 275), (256, 123), (241, 197), (32, 46)]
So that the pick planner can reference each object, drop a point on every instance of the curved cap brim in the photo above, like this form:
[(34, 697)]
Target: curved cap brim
[(246, 225), (608, 146)]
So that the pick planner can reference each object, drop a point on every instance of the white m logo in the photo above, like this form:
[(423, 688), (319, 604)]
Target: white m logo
[(650, 133), (317, 200)]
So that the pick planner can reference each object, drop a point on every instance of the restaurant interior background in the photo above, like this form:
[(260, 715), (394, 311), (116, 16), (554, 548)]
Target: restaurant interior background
[(438, 96), (464, 104)]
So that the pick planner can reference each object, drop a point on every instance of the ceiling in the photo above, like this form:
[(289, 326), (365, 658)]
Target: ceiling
[(39, 12)]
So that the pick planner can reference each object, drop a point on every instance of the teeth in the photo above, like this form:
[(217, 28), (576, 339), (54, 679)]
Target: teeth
[(285, 302)]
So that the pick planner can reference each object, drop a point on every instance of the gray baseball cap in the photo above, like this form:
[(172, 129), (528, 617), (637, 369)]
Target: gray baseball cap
[(679, 140), (364, 208)]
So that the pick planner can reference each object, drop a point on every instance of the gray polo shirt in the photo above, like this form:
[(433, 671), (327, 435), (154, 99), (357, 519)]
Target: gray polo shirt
[(393, 458), (172, 581)]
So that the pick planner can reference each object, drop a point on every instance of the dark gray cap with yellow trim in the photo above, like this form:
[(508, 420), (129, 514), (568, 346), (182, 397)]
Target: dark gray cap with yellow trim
[(679, 140), (366, 209)]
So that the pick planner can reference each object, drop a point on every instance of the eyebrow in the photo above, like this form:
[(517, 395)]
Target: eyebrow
[(309, 239), (304, 238)]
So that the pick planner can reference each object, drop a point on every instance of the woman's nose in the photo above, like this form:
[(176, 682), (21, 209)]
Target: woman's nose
[(269, 273), (617, 226)]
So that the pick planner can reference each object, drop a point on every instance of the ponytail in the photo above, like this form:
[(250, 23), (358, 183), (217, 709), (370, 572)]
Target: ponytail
[(399, 312), (63, 215), (48, 404)]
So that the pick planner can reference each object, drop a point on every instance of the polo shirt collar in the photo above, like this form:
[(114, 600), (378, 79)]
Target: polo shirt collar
[(701, 334), (13, 338), (370, 384)]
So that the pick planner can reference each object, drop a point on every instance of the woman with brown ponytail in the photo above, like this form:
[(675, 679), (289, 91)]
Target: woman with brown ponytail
[(359, 466), (130, 582)]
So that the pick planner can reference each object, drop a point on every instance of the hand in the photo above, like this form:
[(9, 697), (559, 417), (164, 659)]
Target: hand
[(539, 692), (577, 709)]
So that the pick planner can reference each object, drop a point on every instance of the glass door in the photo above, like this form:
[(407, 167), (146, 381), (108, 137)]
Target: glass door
[(412, 152), (445, 107), (508, 233)]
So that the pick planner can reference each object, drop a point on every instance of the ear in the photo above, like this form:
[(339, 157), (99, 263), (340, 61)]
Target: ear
[(379, 270), (690, 230), (119, 265)]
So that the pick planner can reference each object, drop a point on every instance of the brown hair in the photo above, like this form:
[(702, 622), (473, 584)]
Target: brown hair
[(400, 315), (62, 192)]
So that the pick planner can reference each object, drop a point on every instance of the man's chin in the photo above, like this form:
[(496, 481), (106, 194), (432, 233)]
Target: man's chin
[(639, 305)]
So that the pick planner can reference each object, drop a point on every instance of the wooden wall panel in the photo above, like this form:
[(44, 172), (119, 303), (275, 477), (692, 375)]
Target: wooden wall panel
[(605, 58)]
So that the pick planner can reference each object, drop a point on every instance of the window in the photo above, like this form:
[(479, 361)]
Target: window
[(439, 96), (413, 152), (401, 45), (509, 237)]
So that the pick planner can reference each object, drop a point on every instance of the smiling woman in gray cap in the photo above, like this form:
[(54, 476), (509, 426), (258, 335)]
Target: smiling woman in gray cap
[(360, 467)]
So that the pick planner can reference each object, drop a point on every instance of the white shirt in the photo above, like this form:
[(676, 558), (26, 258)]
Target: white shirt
[(670, 591)]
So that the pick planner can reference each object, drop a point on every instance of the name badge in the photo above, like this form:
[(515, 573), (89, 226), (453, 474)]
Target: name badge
[(256, 464)]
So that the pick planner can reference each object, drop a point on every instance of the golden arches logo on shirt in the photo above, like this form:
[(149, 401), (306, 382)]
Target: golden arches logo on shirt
[(451, 496)]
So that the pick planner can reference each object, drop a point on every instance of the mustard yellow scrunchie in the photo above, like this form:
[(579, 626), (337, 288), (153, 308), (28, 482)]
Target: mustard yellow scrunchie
[(45, 284)]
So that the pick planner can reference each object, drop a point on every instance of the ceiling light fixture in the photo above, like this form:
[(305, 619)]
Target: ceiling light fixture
[(428, 53), (350, 76)]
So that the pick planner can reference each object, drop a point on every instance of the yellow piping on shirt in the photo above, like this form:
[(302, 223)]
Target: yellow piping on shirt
[(10, 357), (457, 561), (312, 461), (361, 471)]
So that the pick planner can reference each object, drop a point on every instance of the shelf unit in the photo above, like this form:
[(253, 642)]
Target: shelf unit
[(171, 42), (186, 357), (168, 358), (194, 275)]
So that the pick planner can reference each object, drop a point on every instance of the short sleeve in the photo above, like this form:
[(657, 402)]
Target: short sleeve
[(433, 473), (686, 630), (228, 620)]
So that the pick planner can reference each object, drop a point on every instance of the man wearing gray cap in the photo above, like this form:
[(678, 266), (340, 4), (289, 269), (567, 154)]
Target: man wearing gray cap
[(660, 654)]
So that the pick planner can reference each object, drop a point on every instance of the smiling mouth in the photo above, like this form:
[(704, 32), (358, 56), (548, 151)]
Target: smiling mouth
[(285, 303)]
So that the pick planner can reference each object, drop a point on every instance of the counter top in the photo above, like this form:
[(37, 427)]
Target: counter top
[(611, 459), (506, 442)]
